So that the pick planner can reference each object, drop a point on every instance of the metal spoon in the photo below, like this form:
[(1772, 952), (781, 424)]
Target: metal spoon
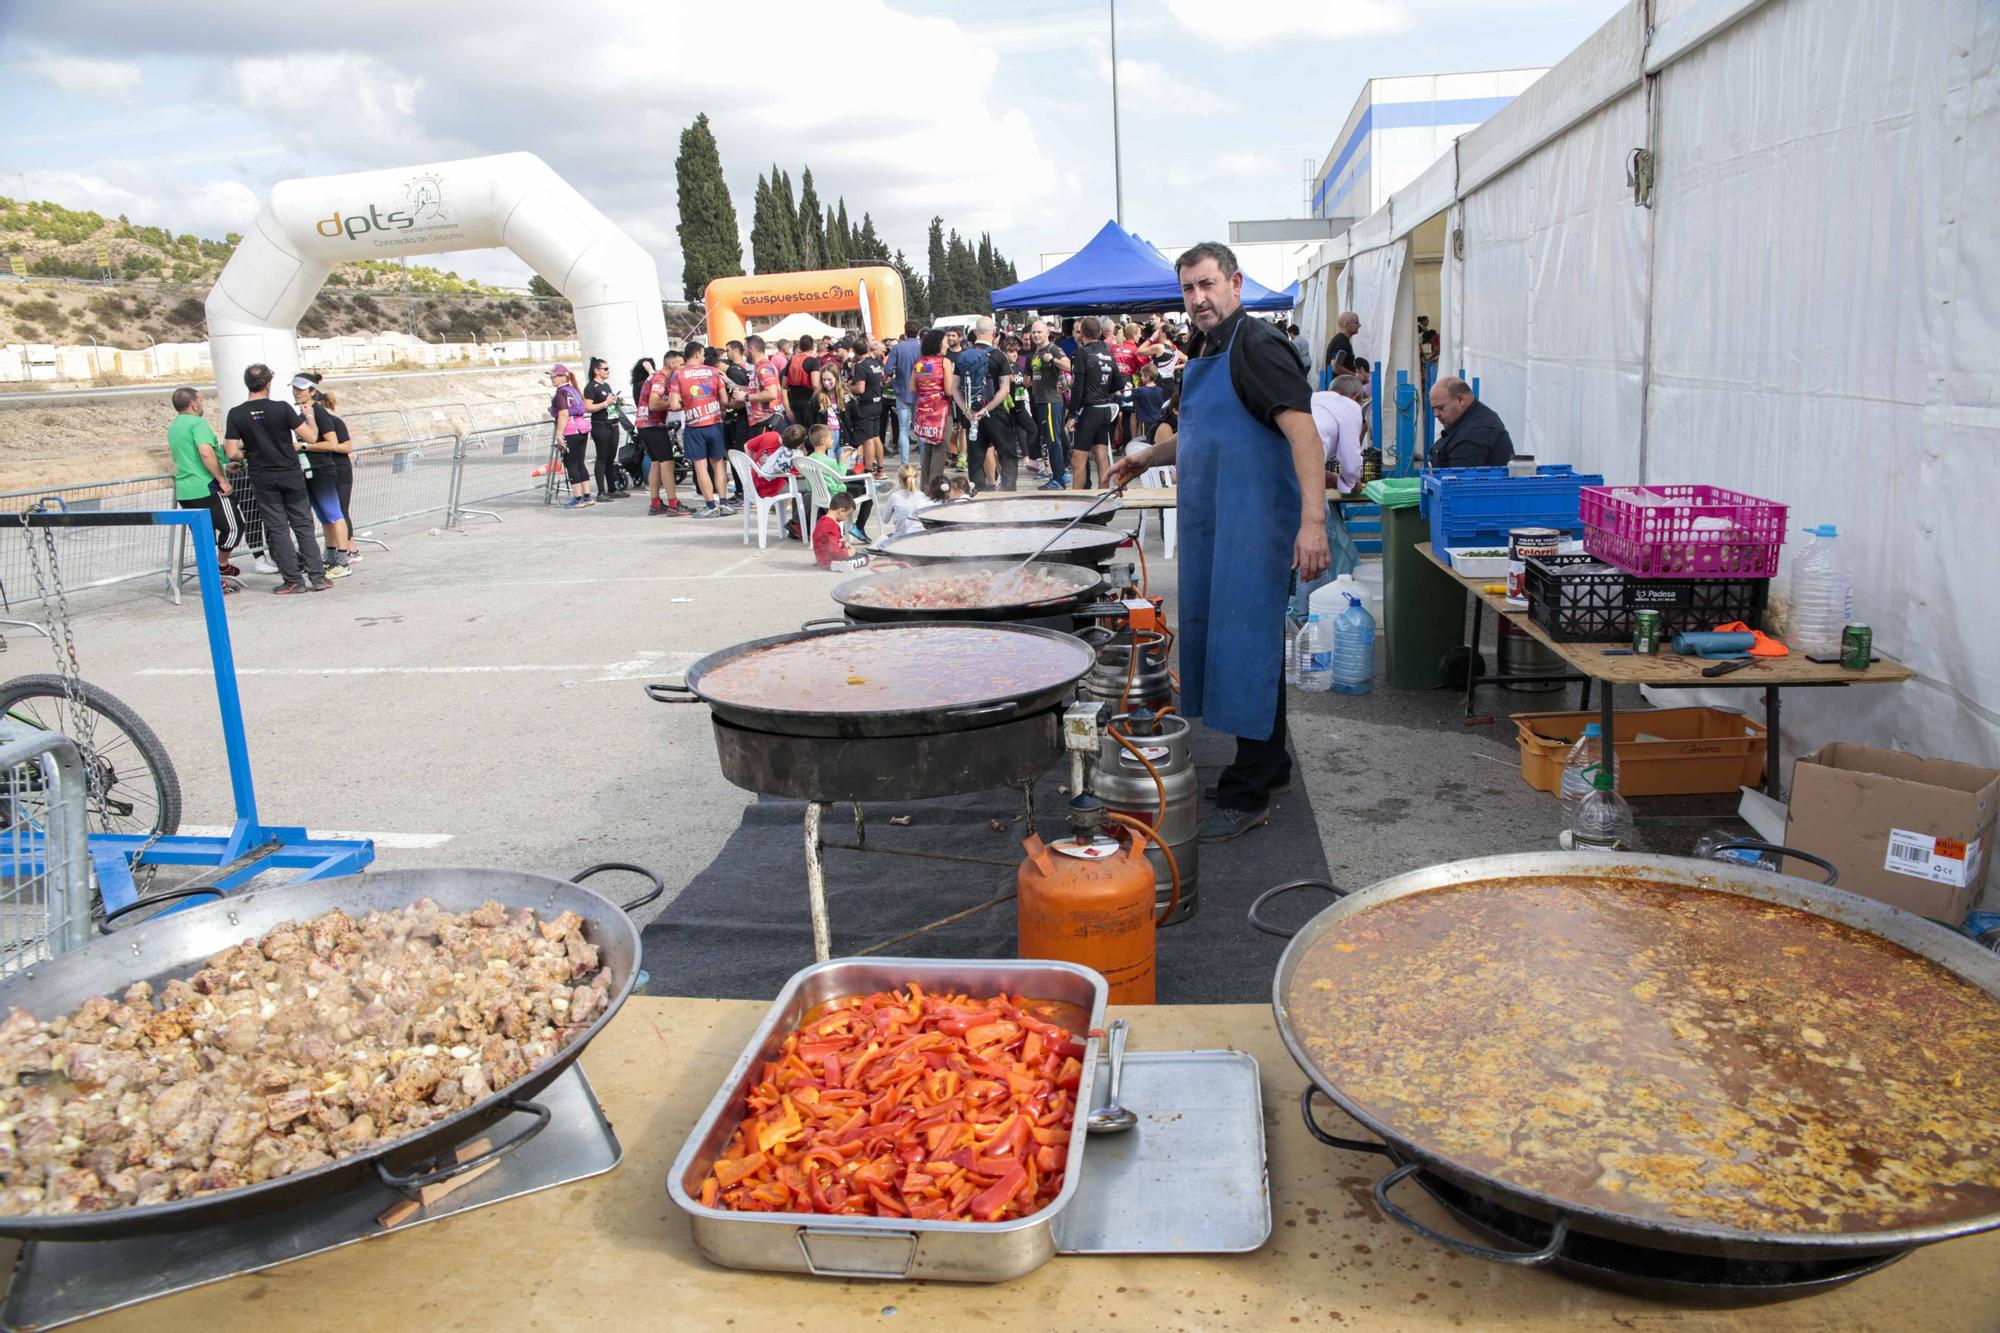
[(1055, 537), (1111, 1118)]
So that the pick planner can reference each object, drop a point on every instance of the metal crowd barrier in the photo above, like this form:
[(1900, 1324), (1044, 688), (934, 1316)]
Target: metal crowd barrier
[(441, 473), (44, 851)]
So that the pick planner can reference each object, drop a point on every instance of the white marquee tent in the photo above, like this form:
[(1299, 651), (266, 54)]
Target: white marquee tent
[(1797, 296), (799, 322)]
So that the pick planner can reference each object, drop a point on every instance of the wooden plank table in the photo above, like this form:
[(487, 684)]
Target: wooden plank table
[(613, 1252), (1135, 497), (1588, 664)]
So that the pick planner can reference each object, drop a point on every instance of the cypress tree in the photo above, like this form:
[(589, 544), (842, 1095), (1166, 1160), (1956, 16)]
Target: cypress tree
[(966, 288), (788, 213), (836, 242), (937, 286), (710, 245), (812, 227), (989, 272), (868, 244), (916, 293), (761, 252), (850, 242)]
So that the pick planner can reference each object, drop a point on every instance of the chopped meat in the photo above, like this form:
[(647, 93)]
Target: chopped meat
[(286, 1053)]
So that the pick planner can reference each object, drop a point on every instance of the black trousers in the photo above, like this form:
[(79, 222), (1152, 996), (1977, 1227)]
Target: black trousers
[(288, 525), (218, 514), (1260, 766), (999, 436), (604, 435)]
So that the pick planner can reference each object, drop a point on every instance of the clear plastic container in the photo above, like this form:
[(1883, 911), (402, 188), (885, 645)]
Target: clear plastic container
[(1822, 597), (1292, 626), (1585, 756), (1315, 656), (1354, 649), (1603, 821)]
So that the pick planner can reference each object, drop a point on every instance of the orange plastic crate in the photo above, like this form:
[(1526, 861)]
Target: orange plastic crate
[(1698, 750)]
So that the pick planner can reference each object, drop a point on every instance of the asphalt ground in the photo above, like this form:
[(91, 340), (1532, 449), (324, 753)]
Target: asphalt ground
[(474, 699)]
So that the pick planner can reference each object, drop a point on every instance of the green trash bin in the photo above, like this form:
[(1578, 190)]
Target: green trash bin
[(1424, 607)]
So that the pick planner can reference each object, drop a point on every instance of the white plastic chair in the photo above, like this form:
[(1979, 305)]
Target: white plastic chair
[(820, 496), (746, 480), (1169, 522)]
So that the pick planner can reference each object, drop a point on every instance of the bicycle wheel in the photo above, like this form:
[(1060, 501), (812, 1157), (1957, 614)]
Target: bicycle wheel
[(133, 786)]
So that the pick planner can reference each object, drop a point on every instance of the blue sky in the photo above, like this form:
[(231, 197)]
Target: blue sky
[(995, 116)]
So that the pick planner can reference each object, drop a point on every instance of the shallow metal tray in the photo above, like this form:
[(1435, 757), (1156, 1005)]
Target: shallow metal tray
[(1190, 1177), (881, 1247)]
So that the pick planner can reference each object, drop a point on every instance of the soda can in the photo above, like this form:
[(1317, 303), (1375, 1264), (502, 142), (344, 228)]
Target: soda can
[(1645, 631), (1857, 646)]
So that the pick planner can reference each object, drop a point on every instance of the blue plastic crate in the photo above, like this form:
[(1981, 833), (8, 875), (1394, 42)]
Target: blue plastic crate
[(1475, 506)]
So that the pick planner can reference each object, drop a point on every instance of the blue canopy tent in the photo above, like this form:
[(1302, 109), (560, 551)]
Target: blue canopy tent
[(1117, 273)]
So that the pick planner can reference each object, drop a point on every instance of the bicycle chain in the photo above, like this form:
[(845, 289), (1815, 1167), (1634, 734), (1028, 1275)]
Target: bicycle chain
[(83, 718)]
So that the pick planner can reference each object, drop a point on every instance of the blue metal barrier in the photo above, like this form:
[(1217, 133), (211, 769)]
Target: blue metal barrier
[(251, 847)]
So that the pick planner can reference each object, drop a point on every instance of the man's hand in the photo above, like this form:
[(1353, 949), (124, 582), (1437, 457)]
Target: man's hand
[(224, 487), (1132, 465), (1309, 553)]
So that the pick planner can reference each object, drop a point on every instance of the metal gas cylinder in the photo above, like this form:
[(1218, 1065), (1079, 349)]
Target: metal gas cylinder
[(1118, 681), (1123, 784), (1088, 899)]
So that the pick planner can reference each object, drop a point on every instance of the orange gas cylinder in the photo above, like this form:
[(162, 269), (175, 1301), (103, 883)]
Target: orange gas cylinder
[(1089, 899)]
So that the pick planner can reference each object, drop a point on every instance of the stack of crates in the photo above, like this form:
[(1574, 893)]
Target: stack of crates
[(1478, 506)]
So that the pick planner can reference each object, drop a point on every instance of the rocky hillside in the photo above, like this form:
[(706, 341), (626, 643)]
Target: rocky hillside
[(158, 282)]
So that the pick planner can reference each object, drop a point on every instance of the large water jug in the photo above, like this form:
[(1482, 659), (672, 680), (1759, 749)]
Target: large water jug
[(1822, 600), (1354, 649), (1314, 647), (1584, 760), (1330, 598)]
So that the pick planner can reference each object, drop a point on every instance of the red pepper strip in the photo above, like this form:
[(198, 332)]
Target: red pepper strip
[(883, 1201), (1047, 1137), (1049, 1159), (988, 1203), (729, 1171)]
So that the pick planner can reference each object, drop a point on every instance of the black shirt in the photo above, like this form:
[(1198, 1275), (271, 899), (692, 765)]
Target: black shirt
[(865, 376), (1094, 368), (331, 429), (1263, 367), (1477, 439), (265, 427), (1044, 379), (1340, 353)]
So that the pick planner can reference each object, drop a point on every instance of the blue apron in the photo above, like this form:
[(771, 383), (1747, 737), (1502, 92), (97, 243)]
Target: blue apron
[(1236, 476)]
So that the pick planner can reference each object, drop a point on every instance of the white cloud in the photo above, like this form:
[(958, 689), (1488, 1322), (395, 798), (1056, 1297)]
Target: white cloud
[(1242, 25), (84, 76), (147, 197), (338, 102), (1147, 89), (900, 113)]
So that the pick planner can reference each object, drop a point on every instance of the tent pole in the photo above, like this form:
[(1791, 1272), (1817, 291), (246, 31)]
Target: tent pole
[(1117, 161)]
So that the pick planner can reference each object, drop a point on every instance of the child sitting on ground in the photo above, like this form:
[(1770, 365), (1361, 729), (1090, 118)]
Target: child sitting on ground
[(899, 511), (830, 546)]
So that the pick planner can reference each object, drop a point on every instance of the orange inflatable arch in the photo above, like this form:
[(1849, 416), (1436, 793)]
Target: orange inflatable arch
[(877, 292)]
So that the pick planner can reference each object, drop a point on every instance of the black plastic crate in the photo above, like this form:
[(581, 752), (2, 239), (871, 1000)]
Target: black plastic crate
[(1597, 608)]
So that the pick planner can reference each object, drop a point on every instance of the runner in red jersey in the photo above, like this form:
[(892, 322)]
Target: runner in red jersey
[(699, 390), (765, 390)]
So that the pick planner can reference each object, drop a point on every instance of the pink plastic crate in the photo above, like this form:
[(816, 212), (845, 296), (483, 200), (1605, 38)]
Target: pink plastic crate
[(1682, 532)]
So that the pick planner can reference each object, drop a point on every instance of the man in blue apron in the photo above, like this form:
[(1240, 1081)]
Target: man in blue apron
[(1252, 480)]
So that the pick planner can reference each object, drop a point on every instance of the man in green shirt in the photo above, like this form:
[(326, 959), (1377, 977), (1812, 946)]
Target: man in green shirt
[(200, 481)]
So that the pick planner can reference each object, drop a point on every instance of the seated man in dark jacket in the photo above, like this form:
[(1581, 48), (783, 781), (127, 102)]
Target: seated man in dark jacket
[(1473, 434)]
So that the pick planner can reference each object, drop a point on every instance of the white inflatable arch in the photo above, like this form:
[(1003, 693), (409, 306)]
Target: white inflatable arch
[(512, 200)]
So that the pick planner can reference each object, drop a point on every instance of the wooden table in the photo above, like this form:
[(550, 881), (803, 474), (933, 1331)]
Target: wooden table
[(1663, 670), (614, 1253), (1135, 497)]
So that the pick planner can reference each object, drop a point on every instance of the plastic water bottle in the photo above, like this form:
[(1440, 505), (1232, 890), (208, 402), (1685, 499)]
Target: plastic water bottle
[(1822, 600), (1354, 649), (1603, 820), (1293, 624), (1315, 654), (1584, 757)]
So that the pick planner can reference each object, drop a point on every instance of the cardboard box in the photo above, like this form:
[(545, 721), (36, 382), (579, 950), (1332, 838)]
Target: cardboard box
[(1915, 833)]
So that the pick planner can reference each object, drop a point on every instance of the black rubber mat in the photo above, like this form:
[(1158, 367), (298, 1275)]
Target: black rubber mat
[(742, 926)]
